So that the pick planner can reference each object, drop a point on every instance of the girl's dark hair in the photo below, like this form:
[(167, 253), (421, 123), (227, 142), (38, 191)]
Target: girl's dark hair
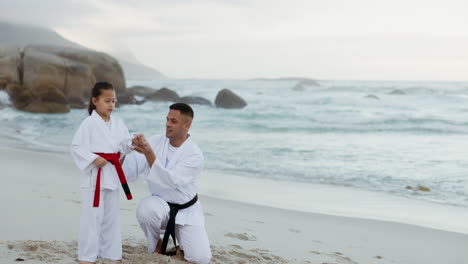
[(96, 92)]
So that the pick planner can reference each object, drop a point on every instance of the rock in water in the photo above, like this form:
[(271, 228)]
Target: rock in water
[(227, 99), (194, 100), (139, 90), (164, 94), (423, 188), (125, 98)]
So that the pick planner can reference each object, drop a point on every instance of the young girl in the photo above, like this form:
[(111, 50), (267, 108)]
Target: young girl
[(99, 144)]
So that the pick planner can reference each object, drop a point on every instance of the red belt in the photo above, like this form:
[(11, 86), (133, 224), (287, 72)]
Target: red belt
[(113, 158)]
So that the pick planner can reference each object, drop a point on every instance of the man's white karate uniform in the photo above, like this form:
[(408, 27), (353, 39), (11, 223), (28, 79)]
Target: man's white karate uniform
[(100, 234), (172, 178)]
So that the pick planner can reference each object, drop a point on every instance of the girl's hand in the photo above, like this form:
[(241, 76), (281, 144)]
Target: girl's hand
[(100, 162)]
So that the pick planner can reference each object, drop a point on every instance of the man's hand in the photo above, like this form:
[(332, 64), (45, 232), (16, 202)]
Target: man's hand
[(141, 145), (100, 162)]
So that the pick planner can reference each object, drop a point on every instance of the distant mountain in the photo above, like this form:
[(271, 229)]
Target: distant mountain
[(22, 35)]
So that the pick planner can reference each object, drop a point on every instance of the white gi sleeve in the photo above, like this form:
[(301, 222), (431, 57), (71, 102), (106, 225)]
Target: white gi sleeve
[(80, 148)]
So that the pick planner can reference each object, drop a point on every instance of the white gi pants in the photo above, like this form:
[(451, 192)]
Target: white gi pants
[(153, 215), (100, 234)]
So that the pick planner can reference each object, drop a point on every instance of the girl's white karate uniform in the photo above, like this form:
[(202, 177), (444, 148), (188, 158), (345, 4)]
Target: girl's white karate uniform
[(100, 234), (173, 181)]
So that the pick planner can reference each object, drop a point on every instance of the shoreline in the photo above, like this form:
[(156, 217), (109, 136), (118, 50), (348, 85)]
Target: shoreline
[(41, 208), (336, 201)]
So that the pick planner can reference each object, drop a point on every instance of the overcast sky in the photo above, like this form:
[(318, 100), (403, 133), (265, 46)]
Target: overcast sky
[(331, 39)]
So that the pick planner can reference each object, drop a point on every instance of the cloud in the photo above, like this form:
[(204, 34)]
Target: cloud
[(240, 38)]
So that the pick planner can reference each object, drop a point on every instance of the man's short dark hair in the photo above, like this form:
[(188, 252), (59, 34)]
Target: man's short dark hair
[(184, 109)]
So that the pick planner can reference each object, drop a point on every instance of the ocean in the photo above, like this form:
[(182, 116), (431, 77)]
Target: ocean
[(377, 136)]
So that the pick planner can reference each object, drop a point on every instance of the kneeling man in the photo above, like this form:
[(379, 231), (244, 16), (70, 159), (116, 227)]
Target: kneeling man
[(170, 165)]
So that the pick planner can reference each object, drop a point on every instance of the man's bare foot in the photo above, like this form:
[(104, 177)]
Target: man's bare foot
[(158, 247), (85, 262), (117, 261)]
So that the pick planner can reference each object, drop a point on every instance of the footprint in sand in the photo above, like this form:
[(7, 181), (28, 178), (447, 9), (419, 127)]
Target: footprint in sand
[(241, 236), (235, 246)]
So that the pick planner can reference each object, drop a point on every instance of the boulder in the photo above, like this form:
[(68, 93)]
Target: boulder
[(76, 102), (47, 99), (125, 98), (73, 70), (56, 76), (163, 95), (39, 106), (139, 90), (19, 97), (227, 99), (194, 100), (10, 62)]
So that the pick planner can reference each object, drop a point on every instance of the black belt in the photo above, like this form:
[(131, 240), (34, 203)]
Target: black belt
[(170, 228)]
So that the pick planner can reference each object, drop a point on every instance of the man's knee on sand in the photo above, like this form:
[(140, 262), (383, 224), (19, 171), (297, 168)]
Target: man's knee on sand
[(151, 210), (197, 258)]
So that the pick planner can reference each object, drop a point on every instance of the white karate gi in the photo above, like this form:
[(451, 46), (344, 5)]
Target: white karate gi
[(100, 235), (174, 182)]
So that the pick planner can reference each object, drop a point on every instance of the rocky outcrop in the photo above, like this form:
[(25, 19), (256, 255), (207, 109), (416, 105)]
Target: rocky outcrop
[(142, 94), (10, 62), (22, 35), (163, 95), (139, 90), (194, 100), (75, 102), (125, 98), (227, 99), (52, 79)]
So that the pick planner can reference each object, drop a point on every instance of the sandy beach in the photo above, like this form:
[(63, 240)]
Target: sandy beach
[(41, 204)]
